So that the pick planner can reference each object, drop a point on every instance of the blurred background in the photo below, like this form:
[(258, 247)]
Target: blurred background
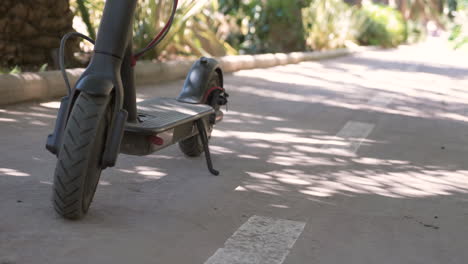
[(30, 31)]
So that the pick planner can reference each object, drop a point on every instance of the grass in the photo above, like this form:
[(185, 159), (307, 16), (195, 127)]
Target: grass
[(17, 69)]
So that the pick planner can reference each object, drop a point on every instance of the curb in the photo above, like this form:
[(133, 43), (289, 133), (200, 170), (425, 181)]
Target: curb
[(16, 88)]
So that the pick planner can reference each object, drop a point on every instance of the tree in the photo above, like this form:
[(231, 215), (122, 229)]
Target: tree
[(30, 31), (266, 25), (285, 32)]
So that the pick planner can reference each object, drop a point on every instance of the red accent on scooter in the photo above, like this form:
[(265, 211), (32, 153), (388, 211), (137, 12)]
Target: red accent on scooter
[(212, 89), (156, 140), (158, 37), (134, 61)]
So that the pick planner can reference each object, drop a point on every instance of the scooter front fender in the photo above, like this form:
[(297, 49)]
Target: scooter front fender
[(95, 85), (101, 77)]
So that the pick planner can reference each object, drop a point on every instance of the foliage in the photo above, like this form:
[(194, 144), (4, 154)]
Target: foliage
[(248, 26), (195, 30), (452, 7), (17, 69), (330, 24), (422, 11), (384, 26), (83, 8), (416, 31), (220, 27), (90, 12), (459, 30), (14, 70), (259, 26)]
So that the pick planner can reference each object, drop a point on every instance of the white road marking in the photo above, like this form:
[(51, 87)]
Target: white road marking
[(380, 100), (352, 135), (261, 240)]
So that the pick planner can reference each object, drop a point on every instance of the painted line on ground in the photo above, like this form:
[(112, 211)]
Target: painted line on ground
[(261, 240), (350, 138)]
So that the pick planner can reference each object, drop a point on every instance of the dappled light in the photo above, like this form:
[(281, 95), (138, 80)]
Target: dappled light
[(13, 172), (416, 182), (282, 206), (304, 161), (304, 157), (53, 105), (265, 131), (248, 157), (313, 162), (305, 165), (144, 172), (415, 87), (36, 115), (8, 120), (279, 138), (255, 117)]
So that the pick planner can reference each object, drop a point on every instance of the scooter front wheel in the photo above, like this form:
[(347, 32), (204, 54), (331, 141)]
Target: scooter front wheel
[(78, 167)]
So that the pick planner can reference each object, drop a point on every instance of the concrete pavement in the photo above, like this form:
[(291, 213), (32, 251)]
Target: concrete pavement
[(360, 159)]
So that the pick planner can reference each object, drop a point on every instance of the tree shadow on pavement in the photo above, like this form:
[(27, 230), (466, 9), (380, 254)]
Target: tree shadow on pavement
[(402, 194)]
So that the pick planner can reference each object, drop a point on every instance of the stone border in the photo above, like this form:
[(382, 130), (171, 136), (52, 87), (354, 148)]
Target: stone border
[(15, 88)]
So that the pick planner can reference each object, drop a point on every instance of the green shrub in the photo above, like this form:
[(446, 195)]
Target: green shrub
[(330, 24), (417, 31), (90, 12), (259, 26), (247, 24), (459, 30), (194, 32), (384, 26), (14, 70)]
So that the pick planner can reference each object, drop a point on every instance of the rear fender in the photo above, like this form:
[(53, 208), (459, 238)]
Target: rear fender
[(196, 84)]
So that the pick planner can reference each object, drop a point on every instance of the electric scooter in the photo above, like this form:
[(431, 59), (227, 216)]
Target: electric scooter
[(100, 118)]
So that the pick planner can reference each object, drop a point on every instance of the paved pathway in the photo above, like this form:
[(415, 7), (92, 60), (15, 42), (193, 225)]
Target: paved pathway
[(361, 159)]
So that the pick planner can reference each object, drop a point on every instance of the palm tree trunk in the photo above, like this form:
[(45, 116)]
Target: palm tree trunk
[(286, 31), (30, 31)]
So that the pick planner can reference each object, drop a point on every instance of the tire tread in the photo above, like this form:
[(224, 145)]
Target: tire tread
[(70, 172)]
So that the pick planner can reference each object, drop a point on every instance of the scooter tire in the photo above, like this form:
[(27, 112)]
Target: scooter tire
[(78, 166)]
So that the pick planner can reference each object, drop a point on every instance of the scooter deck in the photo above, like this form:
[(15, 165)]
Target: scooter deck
[(160, 114)]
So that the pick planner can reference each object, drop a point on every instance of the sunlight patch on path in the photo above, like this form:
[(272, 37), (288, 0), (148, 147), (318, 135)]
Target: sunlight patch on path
[(353, 134)]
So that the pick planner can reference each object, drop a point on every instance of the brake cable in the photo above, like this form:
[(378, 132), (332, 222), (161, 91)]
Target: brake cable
[(62, 55), (135, 57), (160, 36)]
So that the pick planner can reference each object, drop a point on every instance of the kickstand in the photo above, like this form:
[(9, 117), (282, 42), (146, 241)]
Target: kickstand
[(204, 139)]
